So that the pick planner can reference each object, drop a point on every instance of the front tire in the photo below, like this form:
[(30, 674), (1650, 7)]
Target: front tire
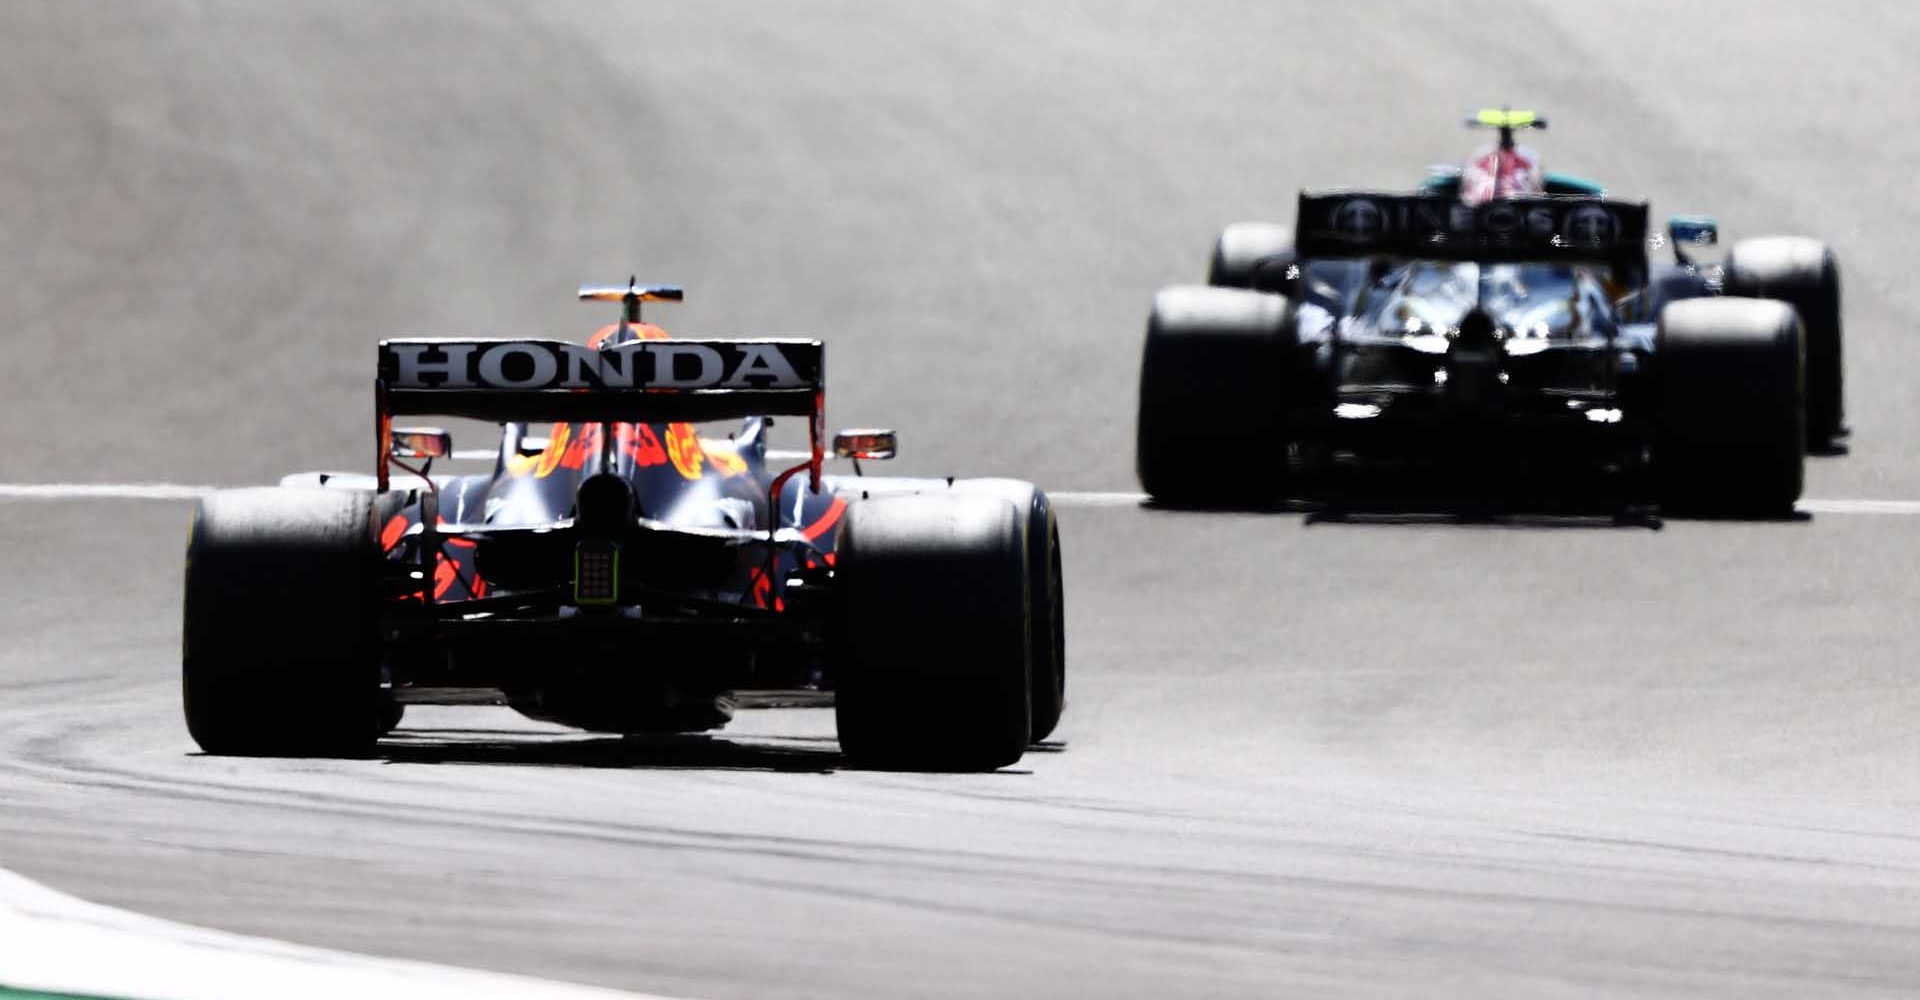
[(280, 656), (1255, 255), (934, 633), (1730, 439)]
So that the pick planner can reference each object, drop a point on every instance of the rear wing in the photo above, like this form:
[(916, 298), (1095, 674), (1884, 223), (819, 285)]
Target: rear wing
[(638, 381), (1572, 229)]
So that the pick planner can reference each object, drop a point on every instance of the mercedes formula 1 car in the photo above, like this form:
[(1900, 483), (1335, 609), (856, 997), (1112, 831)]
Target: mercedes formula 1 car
[(1500, 323), (624, 573)]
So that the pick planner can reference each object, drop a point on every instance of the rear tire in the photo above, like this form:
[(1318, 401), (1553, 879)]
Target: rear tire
[(1214, 380), (391, 714), (934, 633), (1804, 274), (280, 656), (1730, 438), (1254, 255), (1049, 680), (1046, 591)]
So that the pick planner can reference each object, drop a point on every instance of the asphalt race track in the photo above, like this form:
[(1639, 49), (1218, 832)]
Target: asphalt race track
[(1384, 759)]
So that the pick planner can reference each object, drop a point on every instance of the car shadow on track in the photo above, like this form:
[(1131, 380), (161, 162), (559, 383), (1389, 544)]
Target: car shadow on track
[(694, 751), (673, 752), (1519, 518), (1485, 496), (1401, 511), (1410, 507)]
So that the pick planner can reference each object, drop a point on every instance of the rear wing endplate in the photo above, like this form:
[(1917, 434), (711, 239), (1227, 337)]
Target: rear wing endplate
[(639, 381)]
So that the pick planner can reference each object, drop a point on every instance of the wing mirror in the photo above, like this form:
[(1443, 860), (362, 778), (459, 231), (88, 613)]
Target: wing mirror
[(1693, 230), (870, 443), (421, 442)]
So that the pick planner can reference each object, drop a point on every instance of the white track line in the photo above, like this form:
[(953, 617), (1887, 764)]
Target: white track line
[(1065, 498), (1074, 498), (102, 491), (1860, 506), (54, 943)]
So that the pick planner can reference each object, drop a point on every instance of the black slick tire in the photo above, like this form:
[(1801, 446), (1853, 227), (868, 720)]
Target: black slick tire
[(1256, 255), (280, 655), (1049, 665), (1046, 590), (1215, 377), (933, 633), (1730, 436), (1803, 273)]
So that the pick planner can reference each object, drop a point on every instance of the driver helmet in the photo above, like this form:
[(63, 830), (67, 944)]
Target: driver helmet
[(1495, 172)]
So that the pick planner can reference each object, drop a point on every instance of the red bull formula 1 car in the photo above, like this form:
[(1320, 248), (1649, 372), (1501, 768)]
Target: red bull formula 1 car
[(624, 574), (1503, 323)]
